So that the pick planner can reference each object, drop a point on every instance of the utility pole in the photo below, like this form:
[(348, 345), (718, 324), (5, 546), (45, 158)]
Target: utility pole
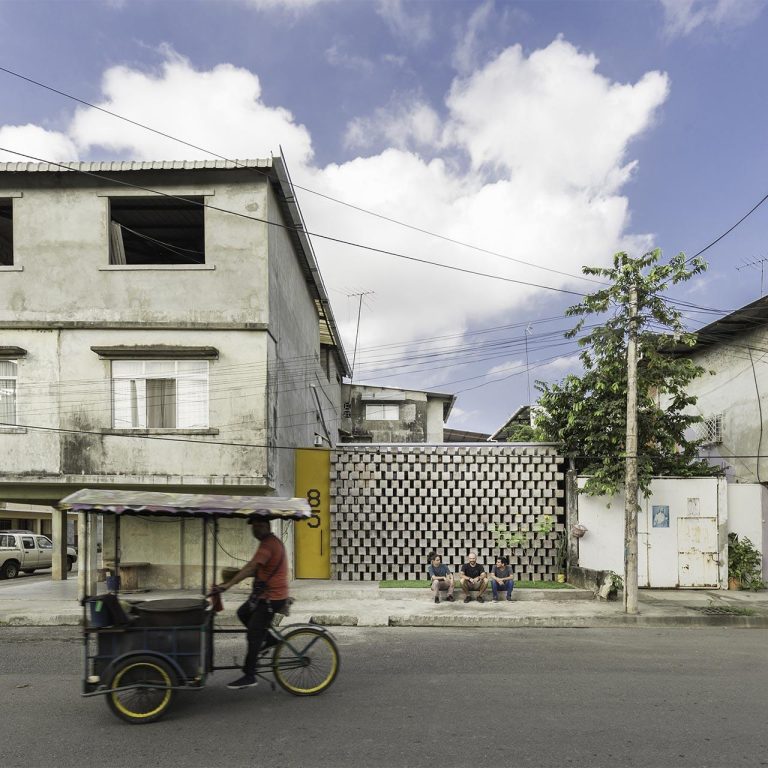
[(528, 330), (630, 481), (361, 294)]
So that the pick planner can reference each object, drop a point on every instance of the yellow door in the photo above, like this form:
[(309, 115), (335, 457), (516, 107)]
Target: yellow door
[(312, 538)]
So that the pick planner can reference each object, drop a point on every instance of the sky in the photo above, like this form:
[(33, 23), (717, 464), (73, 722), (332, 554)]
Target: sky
[(517, 140)]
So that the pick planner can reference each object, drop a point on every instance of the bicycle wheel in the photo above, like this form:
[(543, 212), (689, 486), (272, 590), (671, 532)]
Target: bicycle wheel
[(306, 662), (147, 684)]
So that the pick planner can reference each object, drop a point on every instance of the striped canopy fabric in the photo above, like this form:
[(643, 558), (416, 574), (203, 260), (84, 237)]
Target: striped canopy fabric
[(184, 504)]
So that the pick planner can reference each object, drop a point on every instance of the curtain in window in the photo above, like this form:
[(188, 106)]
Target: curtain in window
[(161, 403), (116, 246), (7, 392)]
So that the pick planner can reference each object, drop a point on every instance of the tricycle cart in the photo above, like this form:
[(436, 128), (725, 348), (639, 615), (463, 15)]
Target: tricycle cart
[(140, 658)]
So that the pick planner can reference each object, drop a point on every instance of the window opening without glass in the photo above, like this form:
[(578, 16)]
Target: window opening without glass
[(156, 230), (160, 394), (6, 232), (8, 380)]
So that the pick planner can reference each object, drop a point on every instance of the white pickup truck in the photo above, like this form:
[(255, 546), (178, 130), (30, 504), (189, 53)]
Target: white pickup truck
[(27, 552)]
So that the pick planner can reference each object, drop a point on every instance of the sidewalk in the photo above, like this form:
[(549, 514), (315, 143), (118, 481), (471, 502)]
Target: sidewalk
[(47, 603)]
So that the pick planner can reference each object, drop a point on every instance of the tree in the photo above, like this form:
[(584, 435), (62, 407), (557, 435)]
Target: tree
[(626, 417), (587, 413)]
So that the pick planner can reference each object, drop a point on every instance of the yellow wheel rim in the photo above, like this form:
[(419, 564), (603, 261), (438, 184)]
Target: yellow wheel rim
[(284, 651), (164, 679)]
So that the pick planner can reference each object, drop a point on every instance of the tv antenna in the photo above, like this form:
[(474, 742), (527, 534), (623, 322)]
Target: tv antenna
[(360, 295), (755, 264)]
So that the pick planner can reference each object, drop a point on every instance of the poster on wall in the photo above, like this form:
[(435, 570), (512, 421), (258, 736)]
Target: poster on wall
[(660, 516)]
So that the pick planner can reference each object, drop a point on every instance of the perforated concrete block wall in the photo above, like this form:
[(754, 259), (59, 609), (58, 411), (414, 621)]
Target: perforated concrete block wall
[(393, 505)]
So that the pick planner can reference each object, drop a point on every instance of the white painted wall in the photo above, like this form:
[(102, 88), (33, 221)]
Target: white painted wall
[(740, 508), (748, 516)]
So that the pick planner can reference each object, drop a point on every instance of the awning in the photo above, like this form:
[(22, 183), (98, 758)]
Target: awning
[(184, 504)]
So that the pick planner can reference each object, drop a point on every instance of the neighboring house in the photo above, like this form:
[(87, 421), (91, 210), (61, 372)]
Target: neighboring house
[(451, 435), (372, 414), (732, 394), (506, 432), (163, 325)]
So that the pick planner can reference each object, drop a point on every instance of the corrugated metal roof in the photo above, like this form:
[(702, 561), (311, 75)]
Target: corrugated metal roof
[(133, 165)]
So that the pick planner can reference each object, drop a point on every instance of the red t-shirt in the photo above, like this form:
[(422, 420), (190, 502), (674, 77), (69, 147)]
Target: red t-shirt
[(272, 567)]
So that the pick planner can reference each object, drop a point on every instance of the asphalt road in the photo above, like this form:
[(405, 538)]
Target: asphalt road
[(432, 698)]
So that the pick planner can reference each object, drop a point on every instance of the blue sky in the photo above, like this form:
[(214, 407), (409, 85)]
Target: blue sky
[(554, 133)]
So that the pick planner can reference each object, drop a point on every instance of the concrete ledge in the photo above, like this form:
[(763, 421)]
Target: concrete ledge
[(517, 595)]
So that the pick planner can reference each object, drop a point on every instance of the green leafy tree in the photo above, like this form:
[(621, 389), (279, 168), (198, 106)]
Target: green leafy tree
[(588, 413), (521, 433)]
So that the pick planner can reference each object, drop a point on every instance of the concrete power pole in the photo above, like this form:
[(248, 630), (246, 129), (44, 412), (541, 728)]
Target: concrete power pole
[(630, 481)]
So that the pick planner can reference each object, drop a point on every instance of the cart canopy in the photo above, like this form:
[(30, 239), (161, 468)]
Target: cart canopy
[(184, 504)]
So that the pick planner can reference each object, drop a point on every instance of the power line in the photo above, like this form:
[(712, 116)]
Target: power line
[(360, 209), (328, 238)]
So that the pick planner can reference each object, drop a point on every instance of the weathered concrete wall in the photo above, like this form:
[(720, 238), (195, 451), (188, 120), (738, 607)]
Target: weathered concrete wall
[(65, 385), (61, 243), (421, 418), (393, 505), (737, 390), (174, 549), (295, 369)]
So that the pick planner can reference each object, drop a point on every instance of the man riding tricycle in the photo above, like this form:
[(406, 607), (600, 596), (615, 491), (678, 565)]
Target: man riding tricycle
[(139, 656)]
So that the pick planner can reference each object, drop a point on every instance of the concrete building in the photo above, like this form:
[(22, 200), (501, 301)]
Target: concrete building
[(731, 394), (163, 325), (373, 414)]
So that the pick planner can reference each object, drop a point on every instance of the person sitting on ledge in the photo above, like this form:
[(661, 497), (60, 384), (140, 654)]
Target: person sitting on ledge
[(442, 578), (473, 578), (502, 578)]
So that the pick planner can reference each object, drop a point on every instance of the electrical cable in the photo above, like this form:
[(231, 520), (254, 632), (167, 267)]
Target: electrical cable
[(296, 186), (298, 230)]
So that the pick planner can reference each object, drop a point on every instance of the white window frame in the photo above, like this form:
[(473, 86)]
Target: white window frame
[(710, 430), (140, 373), (382, 412), (15, 380)]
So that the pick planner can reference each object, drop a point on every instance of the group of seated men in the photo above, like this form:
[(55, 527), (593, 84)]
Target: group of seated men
[(472, 577)]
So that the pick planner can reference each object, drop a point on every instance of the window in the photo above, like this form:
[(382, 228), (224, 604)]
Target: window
[(382, 412), (7, 540), (6, 232), (156, 230), (7, 392), (160, 394), (27, 542), (710, 431), (44, 543)]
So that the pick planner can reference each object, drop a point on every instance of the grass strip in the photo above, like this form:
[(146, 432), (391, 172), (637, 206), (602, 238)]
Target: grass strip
[(424, 584)]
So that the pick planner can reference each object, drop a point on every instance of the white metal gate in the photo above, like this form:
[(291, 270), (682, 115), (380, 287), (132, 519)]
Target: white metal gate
[(697, 556)]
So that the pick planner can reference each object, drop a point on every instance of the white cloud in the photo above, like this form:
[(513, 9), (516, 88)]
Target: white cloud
[(414, 28), (551, 120), (336, 56), (37, 142), (466, 54), (284, 5), (406, 122), (459, 417), (220, 109), (684, 16), (546, 138)]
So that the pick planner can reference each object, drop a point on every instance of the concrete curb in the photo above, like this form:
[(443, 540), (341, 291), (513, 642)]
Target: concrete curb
[(383, 619)]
